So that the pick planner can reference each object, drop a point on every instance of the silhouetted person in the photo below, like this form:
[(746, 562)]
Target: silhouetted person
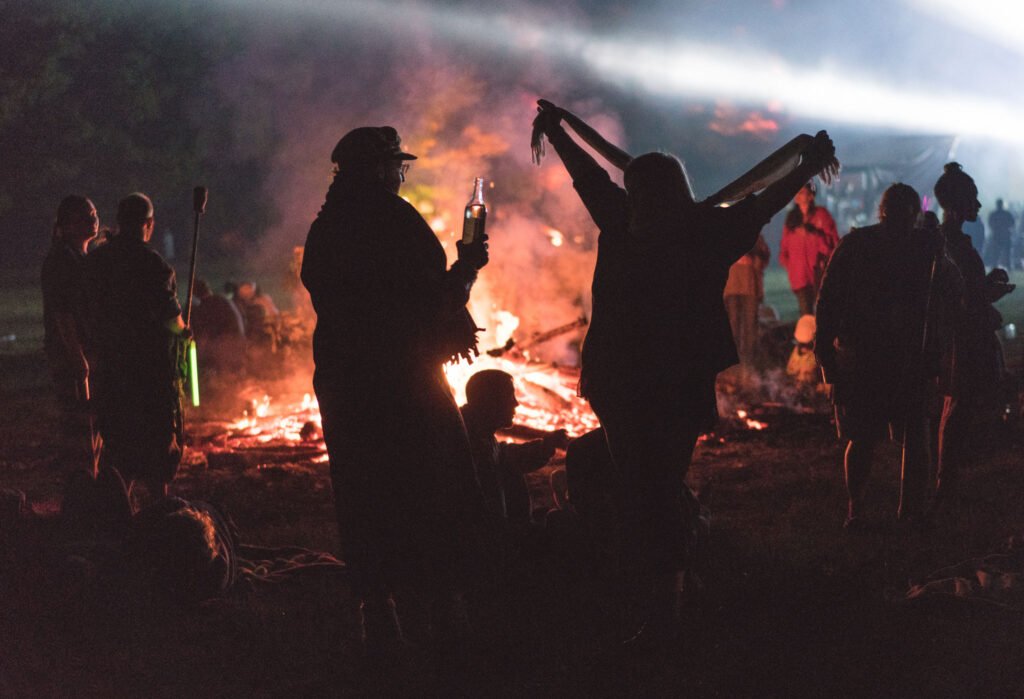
[(67, 321), (491, 406), (999, 244), (878, 289), (808, 238), (219, 332), (744, 291), (389, 315), (659, 333), (134, 295), (975, 231), (976, 361)]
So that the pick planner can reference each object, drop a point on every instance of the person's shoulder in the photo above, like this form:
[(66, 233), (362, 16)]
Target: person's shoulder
[(822, 212), (857, 239), (857, 236)]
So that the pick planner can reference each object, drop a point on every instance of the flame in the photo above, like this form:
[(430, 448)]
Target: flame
[(750, 422), (729, 121), (506, 324)]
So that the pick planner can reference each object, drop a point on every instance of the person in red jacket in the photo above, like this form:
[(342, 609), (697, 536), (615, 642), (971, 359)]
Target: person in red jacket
[(808, 238)]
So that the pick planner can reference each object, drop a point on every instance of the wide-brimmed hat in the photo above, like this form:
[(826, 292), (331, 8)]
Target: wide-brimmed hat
[(369, 145)]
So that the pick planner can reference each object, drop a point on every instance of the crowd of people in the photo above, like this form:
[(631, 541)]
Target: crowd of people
[(424, 493)]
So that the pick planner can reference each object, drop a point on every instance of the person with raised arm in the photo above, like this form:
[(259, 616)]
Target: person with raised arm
[(659, 333)]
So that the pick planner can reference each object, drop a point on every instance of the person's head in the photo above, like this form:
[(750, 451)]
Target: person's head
[(657, 185), (373, 152), (184, 551), (76, 223), (957, 194), (803, 333), (245, 291), (203, 289), (999, 204), (928, 221), (899, 207), (804, 199), (135, 216), (492, 396)]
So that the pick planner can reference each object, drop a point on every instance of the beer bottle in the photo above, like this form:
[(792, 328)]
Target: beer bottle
[(476, 214)]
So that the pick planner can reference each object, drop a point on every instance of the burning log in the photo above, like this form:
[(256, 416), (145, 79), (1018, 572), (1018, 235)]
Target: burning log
[(539, 338)]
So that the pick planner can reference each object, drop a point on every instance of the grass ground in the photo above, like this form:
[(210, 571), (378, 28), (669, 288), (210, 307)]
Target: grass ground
[(791, 606)]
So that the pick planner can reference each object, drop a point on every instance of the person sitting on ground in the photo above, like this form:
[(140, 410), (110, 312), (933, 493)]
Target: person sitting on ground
[(490, 406), (219, 332)]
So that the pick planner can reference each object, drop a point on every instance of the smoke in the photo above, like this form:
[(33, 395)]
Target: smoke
[(464, 119)]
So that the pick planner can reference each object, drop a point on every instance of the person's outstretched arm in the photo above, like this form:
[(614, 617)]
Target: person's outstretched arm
[(580, 164), (604, 200), (816, 158), (609, 151)]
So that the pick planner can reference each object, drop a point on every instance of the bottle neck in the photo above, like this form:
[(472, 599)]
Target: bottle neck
[(478, 191)]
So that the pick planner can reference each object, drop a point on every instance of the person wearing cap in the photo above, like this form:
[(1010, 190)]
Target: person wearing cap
[(135, 305), (390, 313), (882, 316)]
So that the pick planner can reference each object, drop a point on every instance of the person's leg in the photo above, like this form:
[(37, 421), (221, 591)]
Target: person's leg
[(914, 471), (733, 308), (660, 514), (749, 331), (857, 466), (954, 443), (805, 298)]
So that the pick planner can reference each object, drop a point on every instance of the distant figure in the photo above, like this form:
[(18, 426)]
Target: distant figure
[(802, 364), (976, 361), (885, 292), (744, 291), (219, 333), (389, 315), (809, 236), (659, 333), (138, 322), (999, 243), (490, 406), (262, 328), (67, 324)]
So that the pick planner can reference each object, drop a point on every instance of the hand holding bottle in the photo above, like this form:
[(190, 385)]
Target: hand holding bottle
[(473, 254)]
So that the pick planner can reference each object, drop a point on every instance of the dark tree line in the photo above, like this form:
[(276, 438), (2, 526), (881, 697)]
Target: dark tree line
[(104, 98)]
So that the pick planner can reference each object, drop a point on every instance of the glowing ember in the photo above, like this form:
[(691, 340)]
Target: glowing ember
[(750, 422)]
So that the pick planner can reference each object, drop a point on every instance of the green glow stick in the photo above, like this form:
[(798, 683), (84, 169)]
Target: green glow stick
[(193, 372)]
